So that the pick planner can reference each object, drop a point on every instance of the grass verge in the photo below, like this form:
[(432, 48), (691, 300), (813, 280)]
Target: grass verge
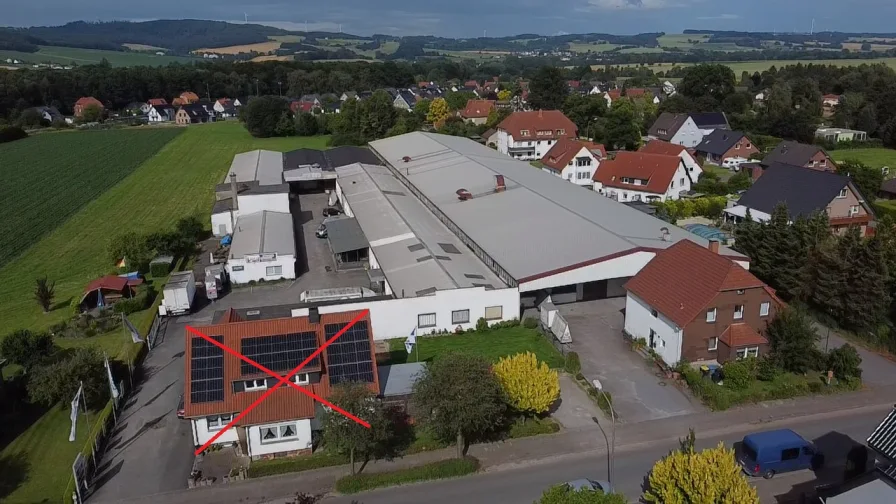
[(437, 470), (492, 344), (296, 464)]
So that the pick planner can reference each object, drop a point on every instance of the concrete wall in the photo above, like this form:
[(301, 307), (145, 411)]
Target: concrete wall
[(201, 434), (302, 442), (639, 320), (252, 203), (246, 271), (625, 266), (396, 318)]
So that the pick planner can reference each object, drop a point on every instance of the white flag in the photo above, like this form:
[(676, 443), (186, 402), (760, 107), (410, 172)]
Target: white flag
[(135, 334), (411, 341), (76, 403), (112, 387)]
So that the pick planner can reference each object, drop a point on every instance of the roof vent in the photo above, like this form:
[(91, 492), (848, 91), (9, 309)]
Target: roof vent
[(406, 159), (463, 194), (665, 232)]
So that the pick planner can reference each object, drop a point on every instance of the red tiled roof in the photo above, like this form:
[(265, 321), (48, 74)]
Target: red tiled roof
[(112, 282), (657, 169), (189, 97), (661, 147), (684, 278), (87, 101), (740, 335), (573, 84), (157, 101), (471, 83), (284, 403), (566, 149), (631, 93), (225, 101), (477, 109), (538, 120)]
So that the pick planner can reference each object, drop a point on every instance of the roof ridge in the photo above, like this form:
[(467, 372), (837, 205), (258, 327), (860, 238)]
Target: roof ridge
[(264, 217)]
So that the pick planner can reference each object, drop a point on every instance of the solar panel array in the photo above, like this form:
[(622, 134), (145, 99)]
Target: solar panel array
[(348, 358), (206, 370), (279, 353)]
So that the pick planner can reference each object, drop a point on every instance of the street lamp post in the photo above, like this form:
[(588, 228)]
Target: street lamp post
[(611, 443)]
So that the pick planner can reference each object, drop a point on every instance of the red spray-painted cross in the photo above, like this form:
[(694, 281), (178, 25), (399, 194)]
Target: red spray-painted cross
[(282, 380)]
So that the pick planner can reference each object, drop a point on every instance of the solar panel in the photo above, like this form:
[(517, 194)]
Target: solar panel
[(279, 353), (348, 358), (206, 370)]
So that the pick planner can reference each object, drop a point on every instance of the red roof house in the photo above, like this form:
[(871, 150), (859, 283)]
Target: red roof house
[(107, 290), (689, 302), (477, 111), (570, 157), (84, 102), (157, 101), (639, 176)]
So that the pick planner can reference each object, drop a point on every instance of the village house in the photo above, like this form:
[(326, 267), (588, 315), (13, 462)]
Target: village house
[(637, 176), (218, 385), (615, 94), (694, 170), (192, 114), (574, 160), (721, 145), (805, 191), (797, 154), (477, 111), (161, 113), (530, 135), (85, 102), (837, 135), (224, 107), (686, 129), (185, 98), (690, 303)]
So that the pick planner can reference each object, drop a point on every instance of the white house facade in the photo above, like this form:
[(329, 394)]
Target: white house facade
[(688, 135), (642, 321)]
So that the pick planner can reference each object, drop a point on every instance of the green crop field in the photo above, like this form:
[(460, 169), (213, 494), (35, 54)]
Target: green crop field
[(77, 56), (49, 177), (760, 66), (178, 181), (876, 158), (583, 47), (680, 40)]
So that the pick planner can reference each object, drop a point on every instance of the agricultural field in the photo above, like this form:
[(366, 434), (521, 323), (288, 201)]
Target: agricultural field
[(760, 66), (177, 181), (77, 56), (583, 47), (473, 55), (681, 40), (287, 38), (857, 46), (143, 47), (49, 177), (262, 59), (876, 158), (260, 47)]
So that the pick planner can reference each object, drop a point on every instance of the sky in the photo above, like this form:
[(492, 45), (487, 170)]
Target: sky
[(470, 18)]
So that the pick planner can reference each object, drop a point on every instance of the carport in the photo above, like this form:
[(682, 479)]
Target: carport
[(347, 243)]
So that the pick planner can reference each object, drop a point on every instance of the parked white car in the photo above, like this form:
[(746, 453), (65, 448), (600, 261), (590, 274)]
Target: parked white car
[(733, 163)]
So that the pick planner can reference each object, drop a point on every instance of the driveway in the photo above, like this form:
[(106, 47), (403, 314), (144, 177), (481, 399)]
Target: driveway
[(151, 449), (638, 393), (877, 371)]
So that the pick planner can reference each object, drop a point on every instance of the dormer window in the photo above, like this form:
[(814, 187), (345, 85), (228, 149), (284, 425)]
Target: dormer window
[(524, 133), (561, 132), (301, 379), (253, 385)]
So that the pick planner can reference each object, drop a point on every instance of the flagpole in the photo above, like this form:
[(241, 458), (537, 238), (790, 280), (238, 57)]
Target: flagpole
[(416, 345), (111, 384)]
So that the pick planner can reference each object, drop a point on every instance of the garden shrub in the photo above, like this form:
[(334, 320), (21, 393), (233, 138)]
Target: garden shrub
[(767, 369), (530, 323), (436, 470), (573, 365), (159, 269), (816, 387), (737, 374), (845, 362), (295, 464), (526, 427), (11, 134), (482, 325)]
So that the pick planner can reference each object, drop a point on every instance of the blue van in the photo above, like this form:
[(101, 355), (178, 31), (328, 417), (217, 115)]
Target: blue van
[(768, 453)]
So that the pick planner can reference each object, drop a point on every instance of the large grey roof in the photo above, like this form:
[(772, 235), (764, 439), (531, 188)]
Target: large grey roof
[(539, 224), (263, 166), (345, 235), (399, 379), (792, 153), (263, 233), (415, 251)]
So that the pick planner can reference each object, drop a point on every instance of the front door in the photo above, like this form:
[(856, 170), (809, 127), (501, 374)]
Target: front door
[(241, 435)]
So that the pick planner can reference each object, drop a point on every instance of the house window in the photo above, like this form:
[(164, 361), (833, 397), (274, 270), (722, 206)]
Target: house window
[(738, 312), (625, 196), (711, 315), (583, 175), (278, 433), (301, 379), (737, 147), (654, 313), (569, 176), (252, 385), (740, 292), (626, 180), (524, 133), (843, 193), (747, 352), (713, 344), (460, 316), (748, 145), (494, 312), (681, 181), (273, 271), (673, 185), (426, 320), (763, 309), (854, 210), (583, 161), (662, 131), (218, 422), (823, 162), (561, 131)]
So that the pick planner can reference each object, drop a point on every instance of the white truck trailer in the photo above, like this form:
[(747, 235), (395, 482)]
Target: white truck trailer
[(178, 294)]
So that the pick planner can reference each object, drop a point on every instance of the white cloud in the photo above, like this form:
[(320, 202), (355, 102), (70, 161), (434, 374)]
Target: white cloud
[(631, 4), (720, 17)]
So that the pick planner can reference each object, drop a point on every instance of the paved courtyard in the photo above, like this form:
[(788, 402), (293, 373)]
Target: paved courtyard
[(638, 393)]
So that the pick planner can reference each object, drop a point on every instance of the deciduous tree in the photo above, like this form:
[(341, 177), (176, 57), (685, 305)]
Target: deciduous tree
[(531, 386), (26, 348), (348, 437), (52, 383), (262, 115), (459, 397), (306, 124), (505, 94), (548, 89), (792, 338), (438, 111), (692, 477)]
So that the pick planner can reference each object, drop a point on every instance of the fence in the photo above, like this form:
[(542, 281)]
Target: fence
[(554, 327)]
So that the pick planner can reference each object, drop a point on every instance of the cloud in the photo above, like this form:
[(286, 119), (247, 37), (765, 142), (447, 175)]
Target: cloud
[(720, 17), (630, 4)]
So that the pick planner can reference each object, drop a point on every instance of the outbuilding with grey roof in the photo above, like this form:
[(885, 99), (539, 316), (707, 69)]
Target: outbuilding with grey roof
[(263, 248)]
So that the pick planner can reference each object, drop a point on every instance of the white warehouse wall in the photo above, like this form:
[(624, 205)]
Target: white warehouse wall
[(620, 267), (639, 320), (258, 270), (302, 442), (396, 318), (201, 434), (252, 203), (222, 219)]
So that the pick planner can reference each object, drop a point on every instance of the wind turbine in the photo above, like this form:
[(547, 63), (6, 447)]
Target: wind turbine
[(247, 17)]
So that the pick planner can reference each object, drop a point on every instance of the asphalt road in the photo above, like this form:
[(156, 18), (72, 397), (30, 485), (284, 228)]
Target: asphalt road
[(523, 485)]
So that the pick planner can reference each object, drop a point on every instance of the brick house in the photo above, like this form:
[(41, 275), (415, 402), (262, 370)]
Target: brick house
[(218, 386), (690, 303), (192, 114), (797, 154), (720, 145), (84, 102)]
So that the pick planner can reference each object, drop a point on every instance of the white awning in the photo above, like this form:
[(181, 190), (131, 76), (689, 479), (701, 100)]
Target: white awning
[(740, 211)]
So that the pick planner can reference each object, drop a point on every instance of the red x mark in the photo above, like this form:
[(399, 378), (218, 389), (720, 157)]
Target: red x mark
[(283, 380)]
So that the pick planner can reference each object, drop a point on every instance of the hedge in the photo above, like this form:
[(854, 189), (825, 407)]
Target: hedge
[(452, 468), (295, 464)]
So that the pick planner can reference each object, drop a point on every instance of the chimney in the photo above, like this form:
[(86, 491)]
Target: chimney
[(499, 183), (313, 315), (233, 191), (665, 233), (713, 246)]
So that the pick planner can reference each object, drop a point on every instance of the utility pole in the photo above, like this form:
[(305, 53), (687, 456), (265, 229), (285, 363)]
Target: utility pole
[(611, 443), (280, 88)]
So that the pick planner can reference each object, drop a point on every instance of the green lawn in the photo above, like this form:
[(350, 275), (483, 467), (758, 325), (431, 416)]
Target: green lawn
[(49, 177), (178, 181), (875, 158), (494, 344), (78, 56)]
